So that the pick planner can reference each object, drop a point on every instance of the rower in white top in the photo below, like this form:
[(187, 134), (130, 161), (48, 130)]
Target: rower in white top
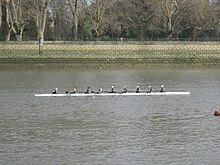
[(149, 90), (73, 90), (100, 90), (162, 88), (55, 91)]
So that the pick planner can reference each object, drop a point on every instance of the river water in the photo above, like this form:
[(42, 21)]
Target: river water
[(112, 129)]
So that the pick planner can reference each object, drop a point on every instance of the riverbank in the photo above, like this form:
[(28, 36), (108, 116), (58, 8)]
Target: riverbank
[(110, 54)]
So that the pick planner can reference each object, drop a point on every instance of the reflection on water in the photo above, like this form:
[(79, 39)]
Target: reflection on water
[(112, 129)]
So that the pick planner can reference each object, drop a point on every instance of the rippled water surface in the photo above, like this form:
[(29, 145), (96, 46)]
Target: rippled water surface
[(112, 129)]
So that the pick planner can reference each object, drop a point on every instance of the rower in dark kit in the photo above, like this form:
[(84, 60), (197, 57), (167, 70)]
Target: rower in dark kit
[(88, 90), (125, 89), (112, 90), (138, 90)]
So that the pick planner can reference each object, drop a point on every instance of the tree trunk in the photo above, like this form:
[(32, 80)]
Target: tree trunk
[(0, 13), (19, 36), (141, 32), (169, 28), (41, 42), (74, 9), (194, 33), (96, 31), (41, 28), (75, 26), (8, 35)]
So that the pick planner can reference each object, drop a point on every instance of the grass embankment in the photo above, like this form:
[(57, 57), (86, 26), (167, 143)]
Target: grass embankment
[(162, 53)]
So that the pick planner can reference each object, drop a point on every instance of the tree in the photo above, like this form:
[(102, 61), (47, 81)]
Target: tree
[(97, 10), (15, 19), (60, 20), (38, 9), (200, 17), (57, 19), (118, 19), (139, 14), (74, 9), (171, 10), (0, 13)]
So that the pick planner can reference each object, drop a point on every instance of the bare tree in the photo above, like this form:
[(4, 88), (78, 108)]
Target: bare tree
[(118, 18), (139, 14), (114, 18), (61, 19), (97, 10), (74, 9), (0, 13), (200, 16), (171, 11), (15, 19), (38, 9), (7, 19)]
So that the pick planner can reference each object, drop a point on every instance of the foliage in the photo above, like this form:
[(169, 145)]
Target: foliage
[(109, 19)]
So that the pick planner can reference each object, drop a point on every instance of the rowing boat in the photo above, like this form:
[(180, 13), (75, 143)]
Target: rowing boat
[(114, 94), (217, 113)]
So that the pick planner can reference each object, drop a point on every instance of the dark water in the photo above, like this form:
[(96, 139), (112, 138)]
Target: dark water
[(109, 130)]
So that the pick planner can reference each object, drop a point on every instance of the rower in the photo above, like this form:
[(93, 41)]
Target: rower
[(112, 90), (88, 90), (162, 89), (55, 91), (138, 89), (149, 90), (73, 91), (125, 89), (100, 90)]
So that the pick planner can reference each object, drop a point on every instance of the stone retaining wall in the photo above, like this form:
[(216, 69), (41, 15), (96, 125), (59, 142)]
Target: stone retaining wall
[(128, 54)]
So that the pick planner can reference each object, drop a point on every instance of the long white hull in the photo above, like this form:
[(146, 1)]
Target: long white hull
[(114, 94)]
